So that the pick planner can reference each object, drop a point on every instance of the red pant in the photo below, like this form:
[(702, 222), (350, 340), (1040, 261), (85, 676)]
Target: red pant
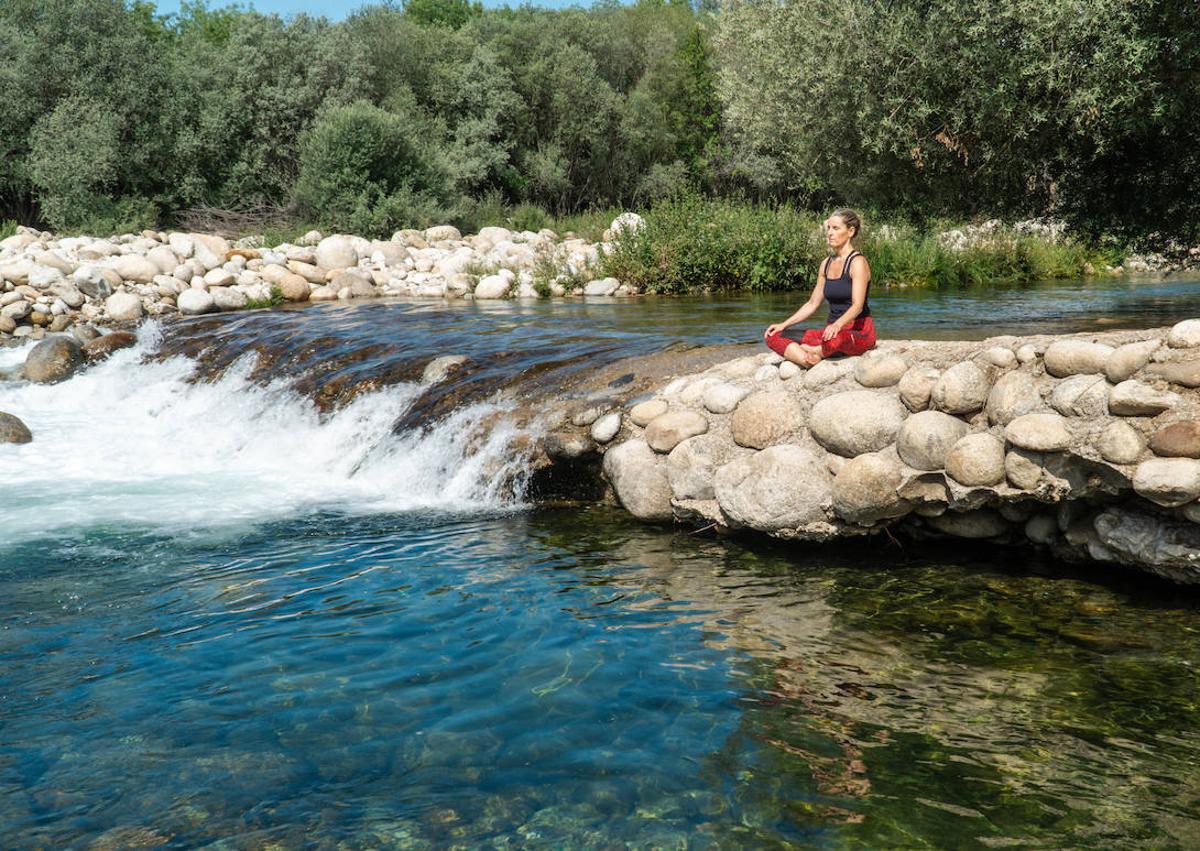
[(855, 339)]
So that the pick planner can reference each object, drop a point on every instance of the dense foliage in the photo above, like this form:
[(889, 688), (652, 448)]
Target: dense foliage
[(116, 116)]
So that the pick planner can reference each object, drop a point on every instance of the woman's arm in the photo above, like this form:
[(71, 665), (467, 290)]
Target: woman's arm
[(806, 310), (860, 276)]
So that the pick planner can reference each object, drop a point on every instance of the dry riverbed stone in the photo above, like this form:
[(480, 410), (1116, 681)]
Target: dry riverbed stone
[(1120, 443), (724, 397), (12, 430), (962, 389), (693, 463), (1081, 396), (1039, 433), (852, 423), (879, 369), (642, 413), (1168, 482), (765, 418), (666, 432), (916, 386), (1128, 359), (606, 427), (1064, 358), (1177, 440), (1132, 398), (1185, 334), (123, 307), (976, 460), (865, 490), (926, 438), (782, 487), (639, 478), (1185, 373), (195, 302)]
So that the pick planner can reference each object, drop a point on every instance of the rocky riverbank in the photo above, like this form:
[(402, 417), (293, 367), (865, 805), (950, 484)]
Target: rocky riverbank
[(50, 284), (1084, 445)]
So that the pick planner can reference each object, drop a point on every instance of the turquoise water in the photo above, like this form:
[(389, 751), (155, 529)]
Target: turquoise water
[(233, 618)]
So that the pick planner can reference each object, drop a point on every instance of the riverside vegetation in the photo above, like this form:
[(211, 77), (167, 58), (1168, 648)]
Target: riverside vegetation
[(407, 116)]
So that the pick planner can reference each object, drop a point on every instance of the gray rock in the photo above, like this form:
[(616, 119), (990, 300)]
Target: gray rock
[(358, 285), (84, 334), (916, 386), (639, 478), (92, 282), (123, 307), (825, 372), (926, 437), (1081, 396), (606, 427), (856, 422), (1132, 398), (17, 310), (336, 252), (1013, 395), (1168, 482), (194, 302), (866, 489), (1184, 335), (1022, 469), (976, 460), (978, 524), (879, 369), (666, 432), (164, 258), (1120, 443), (70, 295), (53, 359), (1076, 357), (1041, 529), (439, 368), (1185, 373), (724, 397), (12, 430), (589, 413), (566, 446), (642, 413), (765, 418), (962, 389), (1128, 359), (780, 488), (1166, 548), (1039, 433), (693, 463), (601, 287), (999, 357)]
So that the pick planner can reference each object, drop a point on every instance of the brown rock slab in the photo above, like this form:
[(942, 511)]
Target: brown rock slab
[(1177, 440)]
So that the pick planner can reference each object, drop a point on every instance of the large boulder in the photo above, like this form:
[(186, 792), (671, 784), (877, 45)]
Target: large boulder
[(1081, 396), (336, 252), (12, 430), (926, 437), (976, 460), (693, 463), (855, 422), (134, 267), (1076, 357), (639, 478), (879, 369), (1168, 482), (1184, 335), (962, 389), (668, 431), (1120, 443), (123, 307), (1132, 398), (765, 418), (916, 387), (1177, 440), (1128, 359), (1039, 433), (866, 489), (53, 359), (493, 287), (780, 488), (293, 287)]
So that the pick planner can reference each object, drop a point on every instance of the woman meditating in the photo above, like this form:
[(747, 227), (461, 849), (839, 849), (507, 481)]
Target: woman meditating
[(843, 281)]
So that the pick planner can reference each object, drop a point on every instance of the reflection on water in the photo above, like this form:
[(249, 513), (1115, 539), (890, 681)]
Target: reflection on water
[(568, 679)]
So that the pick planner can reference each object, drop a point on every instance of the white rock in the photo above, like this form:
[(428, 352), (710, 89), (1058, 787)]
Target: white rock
[(1039, 432), (439, 368), (193, 302), (1168, 481), (493, 287), (723, 398), (124, 307), (879, 369), (601, 287), (227, 298), (643, 413), (1027, 353), (1076, 357), (1185, 334), (133, 267), (164, 258), (606, 427), (788, 370), (181, 244), (855, 422), (1120, 443), (219, 277), (976, 460), (626, 223), (666, 432), (1001, 357), (1081, 396), (825, 372), (1128, 359)]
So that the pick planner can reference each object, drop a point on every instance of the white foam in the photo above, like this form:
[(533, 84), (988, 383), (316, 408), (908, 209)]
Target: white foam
[(135, 444)]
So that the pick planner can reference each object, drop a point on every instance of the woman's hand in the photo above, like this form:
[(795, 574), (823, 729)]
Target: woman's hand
[(772, 330), (830, 332)]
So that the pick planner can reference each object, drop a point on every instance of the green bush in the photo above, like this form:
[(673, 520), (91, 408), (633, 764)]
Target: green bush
[(370, 171)]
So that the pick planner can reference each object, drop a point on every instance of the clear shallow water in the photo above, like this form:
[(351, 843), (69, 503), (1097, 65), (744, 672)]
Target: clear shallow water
[(232, 618)]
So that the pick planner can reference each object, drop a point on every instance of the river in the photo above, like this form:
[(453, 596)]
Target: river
[(291, 604)]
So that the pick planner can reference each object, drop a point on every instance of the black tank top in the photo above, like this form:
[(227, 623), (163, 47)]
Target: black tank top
[(839, 291)]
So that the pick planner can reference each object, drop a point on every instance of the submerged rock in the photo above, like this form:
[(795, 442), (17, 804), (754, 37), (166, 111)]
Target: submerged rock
[(101, 347), (53, 359), (12, 430)]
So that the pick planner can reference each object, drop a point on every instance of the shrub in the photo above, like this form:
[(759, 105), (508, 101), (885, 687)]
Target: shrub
[(371, 171)]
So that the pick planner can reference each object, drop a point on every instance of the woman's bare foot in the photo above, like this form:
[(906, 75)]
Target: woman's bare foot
[(812, 355)]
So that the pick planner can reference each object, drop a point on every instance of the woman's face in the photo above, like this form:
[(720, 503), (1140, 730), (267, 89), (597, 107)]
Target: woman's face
[(836, 232)]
